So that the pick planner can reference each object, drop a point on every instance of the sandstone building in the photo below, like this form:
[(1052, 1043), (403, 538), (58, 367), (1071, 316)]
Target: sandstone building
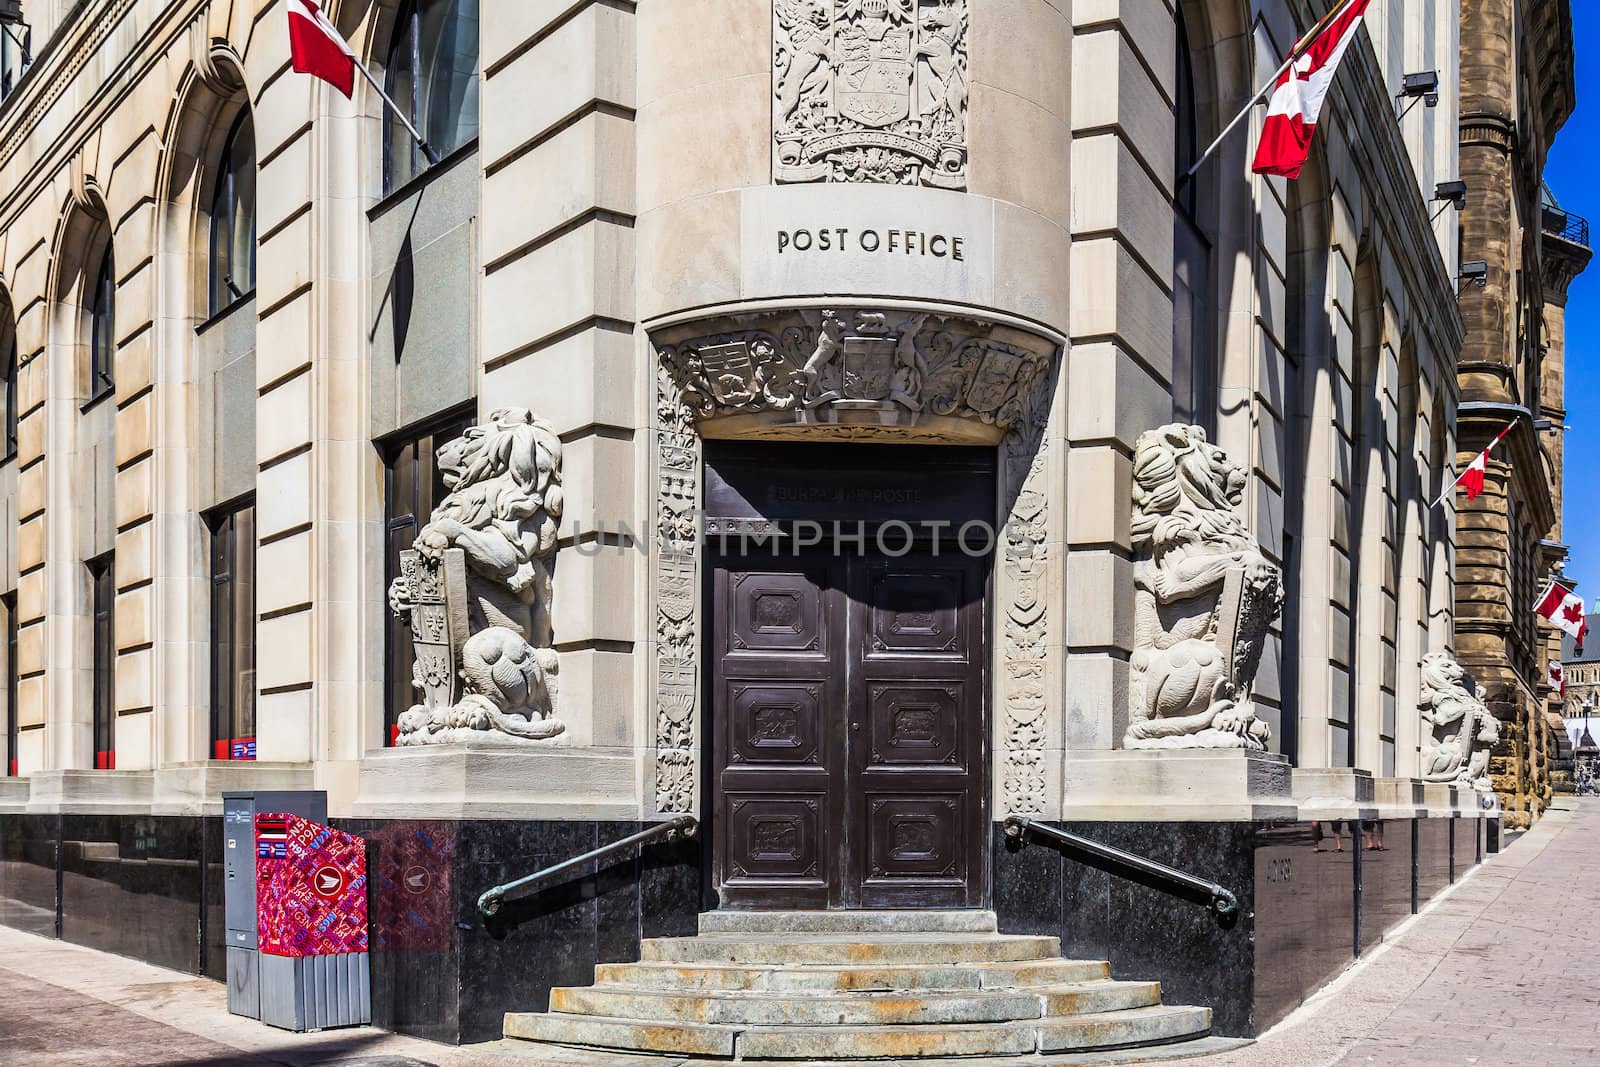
[(874, 437), (1516, 91)]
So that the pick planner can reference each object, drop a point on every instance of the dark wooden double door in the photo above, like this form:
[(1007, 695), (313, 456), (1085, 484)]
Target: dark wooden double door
[(849, 697)]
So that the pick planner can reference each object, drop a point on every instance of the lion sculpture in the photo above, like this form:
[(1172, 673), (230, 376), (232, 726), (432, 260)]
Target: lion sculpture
[(1462, 731), (1203, 598), (485, 657)]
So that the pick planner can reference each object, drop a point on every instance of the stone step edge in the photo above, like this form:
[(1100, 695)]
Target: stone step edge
[(909, 920), (1088, 985), (714, 1033)]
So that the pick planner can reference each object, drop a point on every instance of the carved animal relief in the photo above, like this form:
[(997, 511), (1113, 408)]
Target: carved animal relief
[(859, 368), (870, 91), (1461, 731), (475, 589), (1203, 598)]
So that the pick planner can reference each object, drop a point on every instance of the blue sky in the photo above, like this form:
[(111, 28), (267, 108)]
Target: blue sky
[(1571, 175)]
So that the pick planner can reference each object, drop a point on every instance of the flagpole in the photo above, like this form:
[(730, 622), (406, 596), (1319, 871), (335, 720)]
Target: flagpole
[(1452, 486), (1294, 54), (422, 142)]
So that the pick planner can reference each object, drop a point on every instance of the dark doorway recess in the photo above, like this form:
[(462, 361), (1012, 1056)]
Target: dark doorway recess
[(847, 674)]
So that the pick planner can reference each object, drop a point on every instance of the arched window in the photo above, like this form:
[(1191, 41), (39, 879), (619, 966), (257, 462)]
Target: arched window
[(432, 73), (102, 326), (1194, 364), (233, 218)]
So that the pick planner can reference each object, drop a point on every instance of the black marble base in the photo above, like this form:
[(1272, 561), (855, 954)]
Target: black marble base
[(152, 888), (1312, 896), (440, 971)]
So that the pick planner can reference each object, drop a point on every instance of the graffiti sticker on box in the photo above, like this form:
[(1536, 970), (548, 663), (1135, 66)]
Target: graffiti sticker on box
[(311, 888)]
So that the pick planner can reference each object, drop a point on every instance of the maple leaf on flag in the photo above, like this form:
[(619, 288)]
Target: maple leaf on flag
[(1573, 613)]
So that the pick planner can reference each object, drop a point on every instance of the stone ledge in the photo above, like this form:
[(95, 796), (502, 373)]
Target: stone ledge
[(1178, 785), (498, 782), (197, 788), (13, 795), (1334, 793), (1400, 798), (80, 792)]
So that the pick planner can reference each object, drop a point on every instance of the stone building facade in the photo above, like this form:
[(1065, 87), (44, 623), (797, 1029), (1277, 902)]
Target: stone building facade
[(1516, 91), (694, 276)]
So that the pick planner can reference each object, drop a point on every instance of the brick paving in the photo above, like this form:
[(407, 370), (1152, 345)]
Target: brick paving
[(1501, 971)]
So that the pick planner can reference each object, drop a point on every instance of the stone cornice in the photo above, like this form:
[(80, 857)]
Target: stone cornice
[(77, 40)]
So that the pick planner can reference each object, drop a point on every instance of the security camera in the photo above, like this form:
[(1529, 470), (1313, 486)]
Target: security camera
[(1424, 84), (1475, 271), (1455, 192)]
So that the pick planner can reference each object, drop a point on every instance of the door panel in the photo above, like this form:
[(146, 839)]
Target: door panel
[(777, 633), (849, 699), (917, 761)]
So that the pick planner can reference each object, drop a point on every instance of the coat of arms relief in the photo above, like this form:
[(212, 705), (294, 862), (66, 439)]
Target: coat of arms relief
[(859, 367), (870, 91)]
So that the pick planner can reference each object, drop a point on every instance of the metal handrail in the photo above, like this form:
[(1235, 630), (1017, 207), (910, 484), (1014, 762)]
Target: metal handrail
[(489, 903), (1222, 901)]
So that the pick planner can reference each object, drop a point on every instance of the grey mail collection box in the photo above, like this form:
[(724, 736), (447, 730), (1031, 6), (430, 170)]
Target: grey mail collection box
[(239, 883)]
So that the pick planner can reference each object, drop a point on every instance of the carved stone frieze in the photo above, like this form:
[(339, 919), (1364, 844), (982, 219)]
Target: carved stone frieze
[(858, 370), (1461, 731), (475, 588), (1204, 596), (870, 91)]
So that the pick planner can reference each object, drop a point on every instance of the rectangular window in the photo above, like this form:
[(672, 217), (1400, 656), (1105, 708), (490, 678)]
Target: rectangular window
[(413, 487), (8, 604), (103, 593), (233, 632)]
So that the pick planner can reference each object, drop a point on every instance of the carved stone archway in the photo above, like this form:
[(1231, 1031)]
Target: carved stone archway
[(873, 372)]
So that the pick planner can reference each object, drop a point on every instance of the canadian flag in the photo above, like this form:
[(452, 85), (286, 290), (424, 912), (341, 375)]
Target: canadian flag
[(1302, 87), (1564, 608), (317, 48), (1558, 678), (1473, 476)]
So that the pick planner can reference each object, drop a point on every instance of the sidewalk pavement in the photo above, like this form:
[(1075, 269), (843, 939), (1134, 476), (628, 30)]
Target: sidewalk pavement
[(1500, 970)]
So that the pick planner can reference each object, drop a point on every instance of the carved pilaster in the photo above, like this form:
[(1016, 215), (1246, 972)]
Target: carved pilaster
[(676, 594), (1025, 590)]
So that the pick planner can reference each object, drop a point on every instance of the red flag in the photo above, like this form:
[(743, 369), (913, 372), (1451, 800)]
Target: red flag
[(317, 48), (1564, 608), (1558, 678), (1297, 99)]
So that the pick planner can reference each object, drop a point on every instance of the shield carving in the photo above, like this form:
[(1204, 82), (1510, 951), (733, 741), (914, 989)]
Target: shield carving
[(868, 367), (874, 86), (730, 372), (992, 382)]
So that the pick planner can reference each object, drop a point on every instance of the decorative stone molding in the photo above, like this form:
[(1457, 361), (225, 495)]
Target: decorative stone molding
[(1204, 596), (475, 589), (1025, 591), (870, 91), (1462, 732), (857, 373), (675, 564)]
